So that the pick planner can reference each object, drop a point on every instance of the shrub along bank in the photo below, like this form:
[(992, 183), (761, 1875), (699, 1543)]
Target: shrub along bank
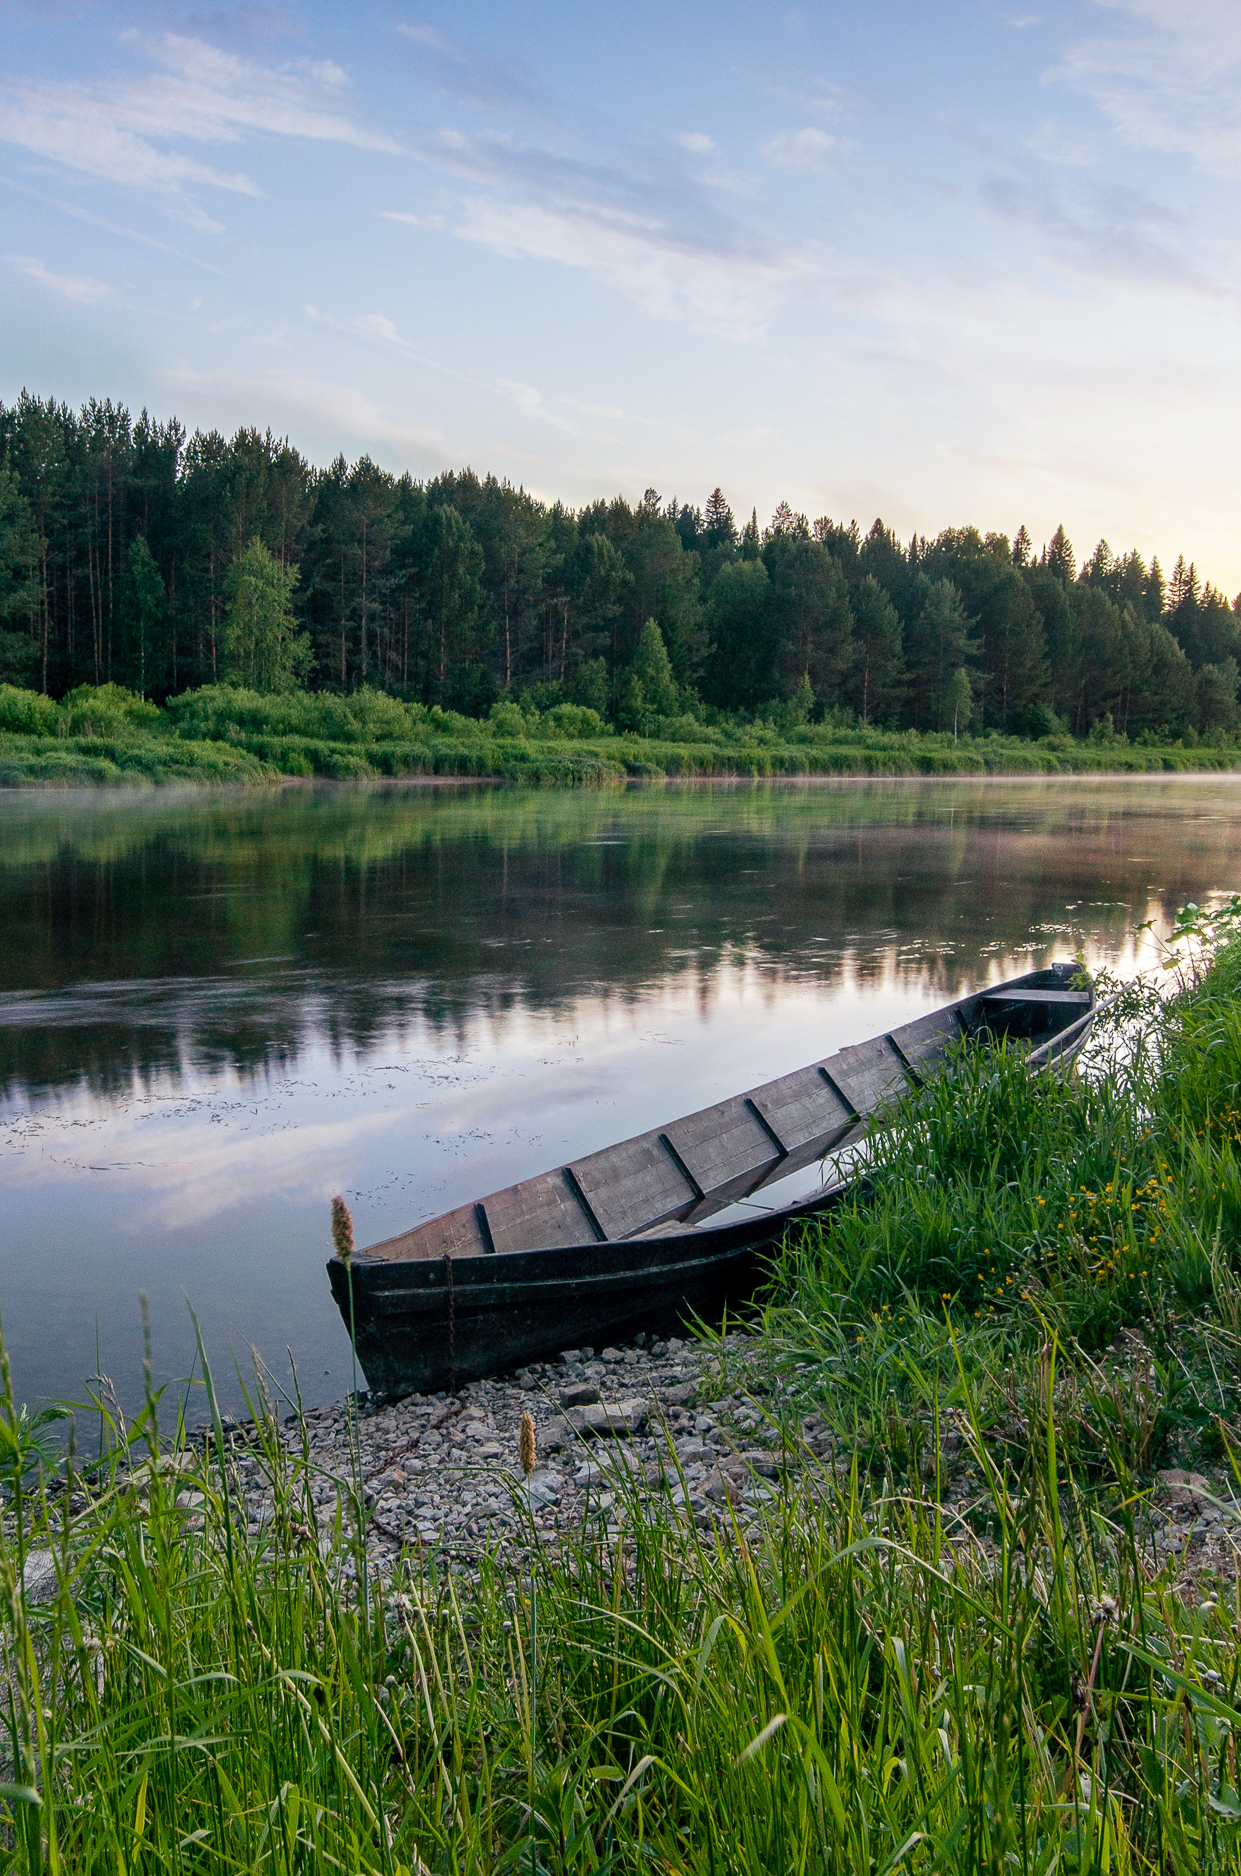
[(220, 734), (957, 1648)]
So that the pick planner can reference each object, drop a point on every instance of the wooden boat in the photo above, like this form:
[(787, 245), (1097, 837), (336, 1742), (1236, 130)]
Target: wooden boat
[(677, 1219)]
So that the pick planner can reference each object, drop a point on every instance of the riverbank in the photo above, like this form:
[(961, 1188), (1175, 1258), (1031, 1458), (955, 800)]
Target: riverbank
[(936, 1558), (109, 737)]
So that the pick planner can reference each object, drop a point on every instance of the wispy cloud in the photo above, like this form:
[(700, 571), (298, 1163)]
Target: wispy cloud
[(79, 288), (1114, 233), (472, 77), (659, 239), (127, 128), (730, 292), (290, 400), (530, 403), (807, 150), (696, 142), (1169, 78)]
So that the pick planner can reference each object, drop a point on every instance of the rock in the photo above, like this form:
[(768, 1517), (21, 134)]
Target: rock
[(721, 1490), (1187, 1491), (39, 1576), (556, 1435), (538, 1490), (761, 1461), (679, 1396), (615, 1419), (569, 1357), (611, 1356), (582, 1394)]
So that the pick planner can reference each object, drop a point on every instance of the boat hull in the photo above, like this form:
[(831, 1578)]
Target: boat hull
[(425, 1327), (433, 1323)]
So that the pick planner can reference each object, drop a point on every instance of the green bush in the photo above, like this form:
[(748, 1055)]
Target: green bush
[(27, 713)]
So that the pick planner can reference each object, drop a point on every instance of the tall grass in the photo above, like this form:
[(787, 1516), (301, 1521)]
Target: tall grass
[(875, 1676)]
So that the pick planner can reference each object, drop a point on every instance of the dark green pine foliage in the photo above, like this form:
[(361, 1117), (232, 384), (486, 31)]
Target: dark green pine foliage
[(876, 681), (121, 539), (142, 640)]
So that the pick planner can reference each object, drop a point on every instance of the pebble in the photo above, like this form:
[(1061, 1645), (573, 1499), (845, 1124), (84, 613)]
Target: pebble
[(442, 1474)]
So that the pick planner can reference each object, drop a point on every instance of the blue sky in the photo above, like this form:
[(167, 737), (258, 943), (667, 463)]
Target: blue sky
[(936, 262)]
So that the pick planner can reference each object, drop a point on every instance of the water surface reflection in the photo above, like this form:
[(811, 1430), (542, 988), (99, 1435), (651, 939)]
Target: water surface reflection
[(216, 1010)]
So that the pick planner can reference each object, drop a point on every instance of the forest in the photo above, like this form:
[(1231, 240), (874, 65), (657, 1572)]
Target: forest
[(134, 554)]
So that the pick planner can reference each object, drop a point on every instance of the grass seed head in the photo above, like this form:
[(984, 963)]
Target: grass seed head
[(525, 1443), (342, 1229)]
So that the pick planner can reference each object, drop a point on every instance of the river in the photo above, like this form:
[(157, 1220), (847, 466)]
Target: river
[(217, 1009)]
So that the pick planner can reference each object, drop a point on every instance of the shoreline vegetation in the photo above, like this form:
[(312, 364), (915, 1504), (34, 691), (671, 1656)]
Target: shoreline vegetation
[(102, 736), (621, 638), (958, 1634)]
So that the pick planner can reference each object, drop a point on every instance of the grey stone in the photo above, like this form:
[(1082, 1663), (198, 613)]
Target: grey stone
[(582, 1394), (39, 1576), (680, 1396), (616, 1419)]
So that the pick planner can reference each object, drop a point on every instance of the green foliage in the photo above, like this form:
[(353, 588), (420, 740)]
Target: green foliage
[(142, 608), (107, 710), (27, 713), (263, 650), (220, 711), (1101, 1207)]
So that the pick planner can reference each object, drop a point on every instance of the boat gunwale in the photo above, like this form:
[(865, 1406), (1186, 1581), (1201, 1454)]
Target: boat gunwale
[(470, 1267)]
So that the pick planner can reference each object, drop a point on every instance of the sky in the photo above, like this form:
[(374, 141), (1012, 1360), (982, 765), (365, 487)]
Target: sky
[(942, 263)]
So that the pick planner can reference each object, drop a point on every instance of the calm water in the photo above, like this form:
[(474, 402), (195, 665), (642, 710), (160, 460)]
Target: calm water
[(218, 1010)]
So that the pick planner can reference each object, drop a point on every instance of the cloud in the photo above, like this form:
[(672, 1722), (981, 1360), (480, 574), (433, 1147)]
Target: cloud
[(125, 128), (805, 150), (732, 293), (288, 400), (1171, 82), (476, 78), (79, 288), (656, 237), (1119, 232), (696, 141), (530, 403)]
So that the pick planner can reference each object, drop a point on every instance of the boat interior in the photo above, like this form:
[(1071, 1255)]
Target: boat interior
[(694, 1169)]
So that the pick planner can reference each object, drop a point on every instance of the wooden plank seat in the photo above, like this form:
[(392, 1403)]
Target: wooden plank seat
[(1081, 998)]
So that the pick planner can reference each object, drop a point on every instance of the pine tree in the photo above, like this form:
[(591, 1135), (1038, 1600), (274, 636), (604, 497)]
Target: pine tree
[(875, 681), (1060, 557), (721, 529)]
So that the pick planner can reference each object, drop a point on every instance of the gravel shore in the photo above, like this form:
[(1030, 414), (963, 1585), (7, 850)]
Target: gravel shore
[(442, 1471)]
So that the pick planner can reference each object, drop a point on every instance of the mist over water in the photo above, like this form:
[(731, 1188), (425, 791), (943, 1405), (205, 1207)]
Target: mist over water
[(216, 1010)]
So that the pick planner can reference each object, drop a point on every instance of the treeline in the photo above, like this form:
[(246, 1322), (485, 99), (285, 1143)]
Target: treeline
[(131, 553)]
